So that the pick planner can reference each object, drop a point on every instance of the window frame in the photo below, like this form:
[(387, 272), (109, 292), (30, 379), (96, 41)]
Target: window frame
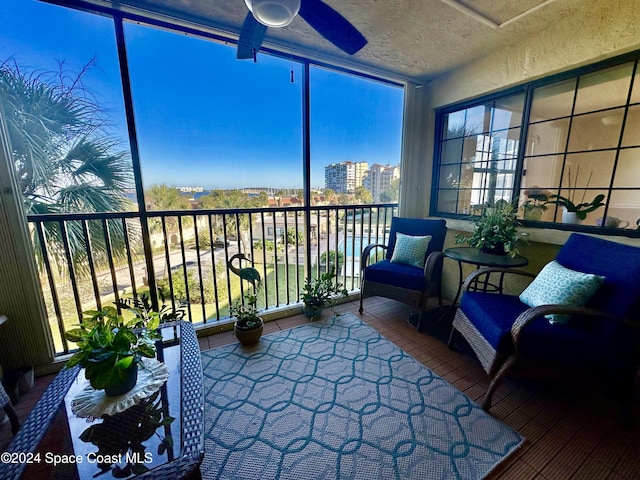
[(528, 89)]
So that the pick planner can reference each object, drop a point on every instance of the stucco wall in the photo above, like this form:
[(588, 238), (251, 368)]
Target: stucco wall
[(607, 29)]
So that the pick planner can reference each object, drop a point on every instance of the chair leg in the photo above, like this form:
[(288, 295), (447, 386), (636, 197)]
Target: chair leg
[(361, 309), (13, 418), (495, 381), (450, 342)]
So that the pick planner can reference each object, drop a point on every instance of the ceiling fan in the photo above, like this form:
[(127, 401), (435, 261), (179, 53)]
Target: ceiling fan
[(280, 13)]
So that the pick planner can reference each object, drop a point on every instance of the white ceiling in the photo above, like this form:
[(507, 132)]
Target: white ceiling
[(410, 39)]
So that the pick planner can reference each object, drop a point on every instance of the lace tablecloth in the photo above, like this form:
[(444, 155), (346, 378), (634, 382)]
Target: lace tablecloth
[(92, 403)]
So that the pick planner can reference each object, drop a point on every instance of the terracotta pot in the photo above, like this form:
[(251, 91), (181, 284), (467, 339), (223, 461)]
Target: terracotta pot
[(248, 336)]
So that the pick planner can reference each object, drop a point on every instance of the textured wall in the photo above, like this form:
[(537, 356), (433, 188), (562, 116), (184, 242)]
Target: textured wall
[(605, 29)]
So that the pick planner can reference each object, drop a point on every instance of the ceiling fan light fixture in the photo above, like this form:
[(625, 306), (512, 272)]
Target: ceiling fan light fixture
[(274, 13)]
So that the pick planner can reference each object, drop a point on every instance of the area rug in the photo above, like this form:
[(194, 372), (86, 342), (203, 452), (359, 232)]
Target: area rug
[(335, 399)]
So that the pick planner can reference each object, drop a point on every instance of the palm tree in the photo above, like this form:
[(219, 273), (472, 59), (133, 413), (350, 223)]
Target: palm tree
[(64, 157)]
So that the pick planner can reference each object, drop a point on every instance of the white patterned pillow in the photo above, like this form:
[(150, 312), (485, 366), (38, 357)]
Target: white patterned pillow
[(410, 249), (558, 285)]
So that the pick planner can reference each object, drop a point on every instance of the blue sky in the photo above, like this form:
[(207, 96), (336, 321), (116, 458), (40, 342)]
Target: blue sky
[(204, 118)]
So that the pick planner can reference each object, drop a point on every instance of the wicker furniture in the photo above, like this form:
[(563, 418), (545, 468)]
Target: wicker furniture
[(169, 449), (599, 341), (408, 284)]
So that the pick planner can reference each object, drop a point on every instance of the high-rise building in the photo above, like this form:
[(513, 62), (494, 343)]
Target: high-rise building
[(379, 178), (345, 177)]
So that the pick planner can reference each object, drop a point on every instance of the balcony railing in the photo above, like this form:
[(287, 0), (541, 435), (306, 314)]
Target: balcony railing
[(88, 261)]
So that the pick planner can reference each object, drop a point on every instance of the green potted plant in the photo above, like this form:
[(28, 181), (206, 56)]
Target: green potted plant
[(110, 348), (496, 231), (575, 213), (535, 204), (249, 325), (317, 293)]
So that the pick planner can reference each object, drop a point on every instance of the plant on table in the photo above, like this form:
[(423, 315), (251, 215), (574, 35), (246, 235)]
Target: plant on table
[(319, 292), (496, 231), (110, 348)]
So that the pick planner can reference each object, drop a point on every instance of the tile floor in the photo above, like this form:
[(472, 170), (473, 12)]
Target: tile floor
[(572, 433)]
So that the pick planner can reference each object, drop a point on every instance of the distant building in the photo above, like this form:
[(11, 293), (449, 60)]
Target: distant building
[(379, 178), (191, 189), (345, 177)]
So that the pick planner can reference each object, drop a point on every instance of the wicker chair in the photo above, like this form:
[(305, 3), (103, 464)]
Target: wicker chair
[(408, 284), (600, 339)]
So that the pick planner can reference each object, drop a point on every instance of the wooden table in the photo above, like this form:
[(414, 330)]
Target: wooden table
[(162, 437)]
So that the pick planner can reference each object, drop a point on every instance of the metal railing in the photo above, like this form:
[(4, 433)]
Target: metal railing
[(88, 261)]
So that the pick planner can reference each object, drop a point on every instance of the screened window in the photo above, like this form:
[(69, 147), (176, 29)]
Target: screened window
[(550, 147)]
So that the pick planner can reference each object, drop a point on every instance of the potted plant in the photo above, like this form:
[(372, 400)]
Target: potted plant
[(317, 293), (496, 231), (110, 349), (573, 213), (249, 325), (576, 212), (535, 204)]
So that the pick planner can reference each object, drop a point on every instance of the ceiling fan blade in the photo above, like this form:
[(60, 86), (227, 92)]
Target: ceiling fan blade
[(332, 26), (251, 37)]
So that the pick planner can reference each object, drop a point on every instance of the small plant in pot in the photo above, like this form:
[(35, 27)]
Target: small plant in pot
[(535, 205), (317, 293), (579, 211), (496, 231), (110, 349), (576, 212), (249, 325)]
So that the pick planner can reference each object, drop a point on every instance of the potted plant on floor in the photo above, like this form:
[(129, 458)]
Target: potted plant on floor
[(496, 231), (110, 348), (317, 293), (249, 325)]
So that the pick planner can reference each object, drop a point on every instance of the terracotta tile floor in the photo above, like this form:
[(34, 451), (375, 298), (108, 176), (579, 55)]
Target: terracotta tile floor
[(572, 433)]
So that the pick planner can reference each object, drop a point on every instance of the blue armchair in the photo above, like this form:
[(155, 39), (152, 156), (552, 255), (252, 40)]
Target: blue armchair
[(412, 267), (592, 329)]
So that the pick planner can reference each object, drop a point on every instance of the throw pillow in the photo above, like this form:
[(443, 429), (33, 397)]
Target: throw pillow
[(410, 249), (558, 285)]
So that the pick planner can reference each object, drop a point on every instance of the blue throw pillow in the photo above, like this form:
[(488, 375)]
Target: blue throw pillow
[(410, 249), (558, 285)]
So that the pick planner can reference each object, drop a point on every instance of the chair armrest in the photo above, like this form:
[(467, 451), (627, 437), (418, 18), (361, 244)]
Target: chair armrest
[(364, 259), (430, 265), (542, 310), (474, 277)]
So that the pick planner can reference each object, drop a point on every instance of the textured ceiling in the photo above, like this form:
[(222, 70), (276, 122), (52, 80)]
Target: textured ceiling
[(411, 39)]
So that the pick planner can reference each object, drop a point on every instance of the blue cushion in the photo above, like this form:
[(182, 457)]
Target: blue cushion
[(396, 274), (618, 263), (493, 315), (589, 341), (593, 342)]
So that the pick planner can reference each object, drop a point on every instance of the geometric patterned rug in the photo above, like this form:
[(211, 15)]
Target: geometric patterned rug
[(335, 399)]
